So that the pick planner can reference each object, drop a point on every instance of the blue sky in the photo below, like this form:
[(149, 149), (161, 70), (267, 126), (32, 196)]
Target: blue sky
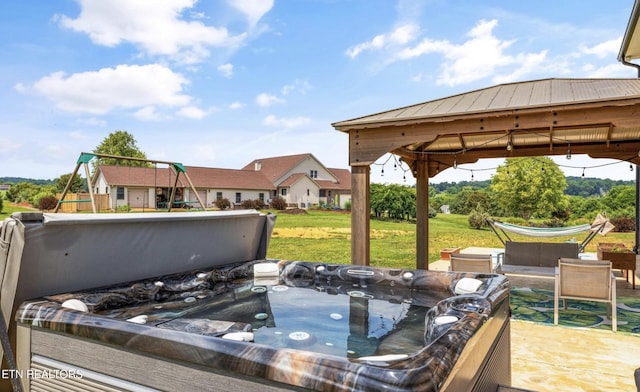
[(220, 83)]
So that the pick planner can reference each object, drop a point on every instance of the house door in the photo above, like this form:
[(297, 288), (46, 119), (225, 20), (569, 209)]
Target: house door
[(138, 198)]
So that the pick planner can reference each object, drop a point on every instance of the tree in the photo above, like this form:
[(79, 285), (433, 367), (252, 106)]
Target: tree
[(120, 143), (393, 200), (528, 187), (78, 184)]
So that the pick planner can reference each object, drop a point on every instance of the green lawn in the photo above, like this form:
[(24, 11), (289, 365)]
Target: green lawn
[(8, 209), (325, 236)]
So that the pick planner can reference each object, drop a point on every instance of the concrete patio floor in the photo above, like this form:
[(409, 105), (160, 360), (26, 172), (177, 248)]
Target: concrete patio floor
[(557, 358)]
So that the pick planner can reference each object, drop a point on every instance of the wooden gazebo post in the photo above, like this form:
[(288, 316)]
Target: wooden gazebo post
[(422, 214), (360, 210)]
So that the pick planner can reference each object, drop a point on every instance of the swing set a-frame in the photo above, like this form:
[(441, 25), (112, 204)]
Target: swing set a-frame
[(86, 157)]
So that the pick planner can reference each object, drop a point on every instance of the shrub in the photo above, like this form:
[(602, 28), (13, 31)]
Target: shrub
[(124, 208), (347, 205), (35, 199), (1, 202), (478, 219), (278, 203), (253, 204), (223, 203), (46, 203), (432, 212), (623, 223)]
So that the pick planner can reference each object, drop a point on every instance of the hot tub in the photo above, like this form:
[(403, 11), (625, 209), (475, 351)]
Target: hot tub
[(274, 325)]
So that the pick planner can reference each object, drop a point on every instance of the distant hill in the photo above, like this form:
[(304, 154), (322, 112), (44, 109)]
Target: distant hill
[(576, 186), (16, 180)]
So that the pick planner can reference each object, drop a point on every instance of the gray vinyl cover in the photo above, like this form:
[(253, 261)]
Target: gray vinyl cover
[(43, 254)]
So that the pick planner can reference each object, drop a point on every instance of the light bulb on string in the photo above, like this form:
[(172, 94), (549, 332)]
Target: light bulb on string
[(583, 172), (569, 152), (630, 167), (455, 163), (471, 175), (382, 172)]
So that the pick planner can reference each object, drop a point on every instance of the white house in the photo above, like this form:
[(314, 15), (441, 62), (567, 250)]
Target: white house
[(300, 179)]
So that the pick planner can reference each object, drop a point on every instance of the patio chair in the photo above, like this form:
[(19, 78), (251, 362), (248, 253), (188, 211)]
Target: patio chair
[(470, 262), (585, 280)]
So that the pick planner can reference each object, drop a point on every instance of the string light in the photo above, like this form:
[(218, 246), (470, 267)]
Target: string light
[(398, 164), (569, 152)]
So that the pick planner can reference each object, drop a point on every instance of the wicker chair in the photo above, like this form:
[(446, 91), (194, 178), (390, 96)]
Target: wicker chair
[(469, 262), (585, 280)]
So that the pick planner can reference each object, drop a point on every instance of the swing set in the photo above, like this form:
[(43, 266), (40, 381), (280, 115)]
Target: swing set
[(86, 157)]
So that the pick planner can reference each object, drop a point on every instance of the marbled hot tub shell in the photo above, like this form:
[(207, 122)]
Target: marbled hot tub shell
[(407, 330)]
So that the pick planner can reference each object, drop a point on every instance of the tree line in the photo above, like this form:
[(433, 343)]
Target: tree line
[(523, 189)]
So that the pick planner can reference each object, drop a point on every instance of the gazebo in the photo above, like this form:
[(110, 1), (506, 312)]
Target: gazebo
[(597, 117)]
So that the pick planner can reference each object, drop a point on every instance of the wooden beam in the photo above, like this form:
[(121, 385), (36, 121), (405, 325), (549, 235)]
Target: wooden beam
[(367, 145), (422, 215), (360, 215)]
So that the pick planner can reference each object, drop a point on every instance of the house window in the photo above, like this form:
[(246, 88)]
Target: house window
[(106, 189), (218, 195), (329, 194), (261, 197), (323, 193), (283, 191), (313, 173), (307, 192), (238, 197), (120, 193)]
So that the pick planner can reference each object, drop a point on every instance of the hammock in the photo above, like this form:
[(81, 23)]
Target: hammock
[(542, 231), (600, 225)]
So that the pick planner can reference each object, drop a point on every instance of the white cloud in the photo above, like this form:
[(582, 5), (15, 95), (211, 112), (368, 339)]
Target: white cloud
[(192, 112), (156, 27), (298, 85), (147, 113), (615, 70), (402, 35), (93, 121), (602, 50), (253, 10), (226, 70), (266, 100), (527, 63), (288, 123), (8, 145), (236, 105), (126, 87), (77, 135), (204, 152)]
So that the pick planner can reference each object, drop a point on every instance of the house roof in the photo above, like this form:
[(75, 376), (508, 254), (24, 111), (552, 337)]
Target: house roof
[(292, 179), (272, 169), (201, 177), (140, 176), (343, 183), (275, 167), (630, 48), (207, 177)]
